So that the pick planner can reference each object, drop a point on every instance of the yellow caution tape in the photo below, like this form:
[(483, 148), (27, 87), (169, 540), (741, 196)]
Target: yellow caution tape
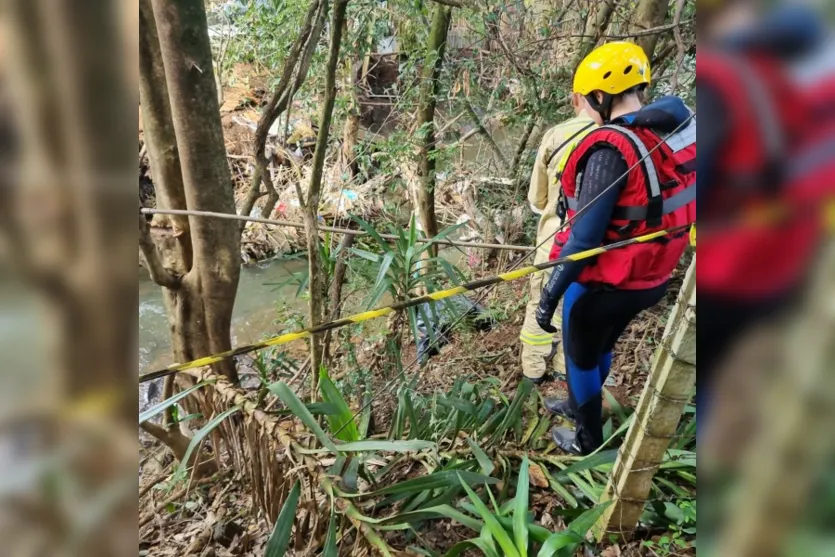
[(412, 302)]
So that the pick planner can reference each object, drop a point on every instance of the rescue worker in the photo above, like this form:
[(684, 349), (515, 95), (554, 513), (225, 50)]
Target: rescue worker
[(757, 125), (633, 175), (540, 355)]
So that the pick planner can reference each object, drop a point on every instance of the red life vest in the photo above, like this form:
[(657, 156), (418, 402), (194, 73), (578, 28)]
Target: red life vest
[(767, 124), (660, 193)]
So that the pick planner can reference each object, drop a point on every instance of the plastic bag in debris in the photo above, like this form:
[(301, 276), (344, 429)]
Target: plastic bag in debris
[(441, 316)]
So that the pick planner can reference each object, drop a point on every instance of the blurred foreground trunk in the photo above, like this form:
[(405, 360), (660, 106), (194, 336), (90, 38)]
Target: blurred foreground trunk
[(69, 200)]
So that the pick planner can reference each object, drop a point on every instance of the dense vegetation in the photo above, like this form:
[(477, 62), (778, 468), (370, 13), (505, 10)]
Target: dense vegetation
[(415, 119)]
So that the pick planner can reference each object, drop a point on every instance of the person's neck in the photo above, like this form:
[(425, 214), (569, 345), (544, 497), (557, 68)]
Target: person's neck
[(631, 104)]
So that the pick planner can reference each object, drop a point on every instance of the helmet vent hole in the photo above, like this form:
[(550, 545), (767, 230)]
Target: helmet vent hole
[(627, 69), (606, 75)]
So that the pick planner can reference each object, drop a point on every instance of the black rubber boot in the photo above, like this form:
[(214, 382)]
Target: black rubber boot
[(559, 406), (541, 380), (566, 440)]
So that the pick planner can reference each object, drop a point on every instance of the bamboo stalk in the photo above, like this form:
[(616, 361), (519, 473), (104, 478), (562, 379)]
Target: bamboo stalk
[(670, 385)]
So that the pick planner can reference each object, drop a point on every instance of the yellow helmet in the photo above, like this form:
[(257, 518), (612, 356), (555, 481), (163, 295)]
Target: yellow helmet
[(612, 68)]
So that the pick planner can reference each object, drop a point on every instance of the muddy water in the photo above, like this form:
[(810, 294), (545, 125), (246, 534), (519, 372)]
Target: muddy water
[(255, 309)]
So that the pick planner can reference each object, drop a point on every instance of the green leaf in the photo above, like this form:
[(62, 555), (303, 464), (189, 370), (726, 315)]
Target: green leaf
[(343, 420), (436, 512), (373, 257), (436, 480), (201, 434), (583, 523), (288, 397), (385, 446), (371, 231), (617, 409), (461, 547), (587, 463), (492, 523), (558, 541), (384, 268), (520, 510), (484, 461), (280, 538), (330, 549), (158, 408)]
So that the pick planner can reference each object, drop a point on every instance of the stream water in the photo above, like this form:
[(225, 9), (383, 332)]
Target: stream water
[(255, 309)]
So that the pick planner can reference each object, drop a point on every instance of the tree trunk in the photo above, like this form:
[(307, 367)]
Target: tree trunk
[(68, 204), (335, 295), (211, 284), (424, 194), (595, 28), (311, 206), (649, 14)]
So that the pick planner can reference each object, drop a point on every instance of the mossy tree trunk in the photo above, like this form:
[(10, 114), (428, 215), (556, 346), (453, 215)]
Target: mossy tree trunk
[(649, 14), (424, 189)]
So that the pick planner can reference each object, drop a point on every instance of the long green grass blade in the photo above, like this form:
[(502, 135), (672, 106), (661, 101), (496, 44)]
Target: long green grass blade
[(201, 435), (158, 408), (343, 420), (559, 541), (484, 461), (330, 549), (280, 538), (436, 480), (492, 523), (436, 512), (288, 397), (590, 462), (468, 545), (385, 446), (520, 510)]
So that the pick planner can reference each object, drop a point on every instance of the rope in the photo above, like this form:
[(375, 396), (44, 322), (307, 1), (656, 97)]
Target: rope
[(411, 302), (291, 224), (562, 227)]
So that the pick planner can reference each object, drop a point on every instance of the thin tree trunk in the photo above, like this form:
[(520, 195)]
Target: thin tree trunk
[(520, 149), (425, 188), (311, 206), (335, 296), (187, 57), (649, 14), (305, 43)]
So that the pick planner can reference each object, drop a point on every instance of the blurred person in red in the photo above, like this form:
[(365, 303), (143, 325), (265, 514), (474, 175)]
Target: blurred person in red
[(755, 118)]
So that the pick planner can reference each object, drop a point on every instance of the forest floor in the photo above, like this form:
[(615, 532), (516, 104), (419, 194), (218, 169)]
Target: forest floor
[(219, 518)]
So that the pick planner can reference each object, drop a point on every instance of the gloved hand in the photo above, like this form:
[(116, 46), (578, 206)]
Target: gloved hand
[(544, 315), (543, 319), (548, 302)]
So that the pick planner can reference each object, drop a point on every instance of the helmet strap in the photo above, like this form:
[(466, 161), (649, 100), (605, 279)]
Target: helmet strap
[(603, 108)]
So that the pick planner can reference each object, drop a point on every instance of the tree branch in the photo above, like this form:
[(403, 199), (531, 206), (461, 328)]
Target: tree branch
[(679, 44), (159, 273)]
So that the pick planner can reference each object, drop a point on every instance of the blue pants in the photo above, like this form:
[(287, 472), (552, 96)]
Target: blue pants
[(593, 320)]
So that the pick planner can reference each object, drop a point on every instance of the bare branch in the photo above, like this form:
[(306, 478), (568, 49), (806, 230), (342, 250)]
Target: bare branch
[(159, 273), (679, 44)]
